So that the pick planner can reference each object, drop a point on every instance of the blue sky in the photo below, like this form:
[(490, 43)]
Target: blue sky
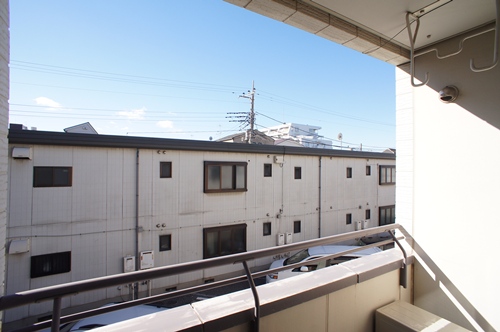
[(176, 68)]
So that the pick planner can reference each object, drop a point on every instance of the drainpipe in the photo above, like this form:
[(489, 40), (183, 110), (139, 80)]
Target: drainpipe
[(319, 195), (137, 258), (282, 207)]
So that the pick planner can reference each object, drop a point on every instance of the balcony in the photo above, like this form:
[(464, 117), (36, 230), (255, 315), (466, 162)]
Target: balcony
[(343, 297)]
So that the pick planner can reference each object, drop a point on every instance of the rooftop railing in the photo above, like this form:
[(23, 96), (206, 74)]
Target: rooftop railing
[(58, 292)]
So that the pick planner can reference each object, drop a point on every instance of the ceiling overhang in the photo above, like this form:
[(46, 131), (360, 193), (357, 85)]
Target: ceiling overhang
[(377, 28)]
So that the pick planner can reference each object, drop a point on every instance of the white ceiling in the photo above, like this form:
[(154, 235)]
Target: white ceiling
[(386, 18)]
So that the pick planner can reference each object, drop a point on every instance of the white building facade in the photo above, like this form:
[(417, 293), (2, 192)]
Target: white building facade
[(84, 206)]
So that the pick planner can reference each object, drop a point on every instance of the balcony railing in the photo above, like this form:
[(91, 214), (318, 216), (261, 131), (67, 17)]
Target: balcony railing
[(58, 292)]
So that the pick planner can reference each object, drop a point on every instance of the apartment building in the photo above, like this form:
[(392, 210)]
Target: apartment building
[(84, 206)]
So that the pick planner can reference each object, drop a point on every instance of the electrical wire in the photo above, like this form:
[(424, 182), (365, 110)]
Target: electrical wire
[(290, 102), (145, 80), (126, 78)]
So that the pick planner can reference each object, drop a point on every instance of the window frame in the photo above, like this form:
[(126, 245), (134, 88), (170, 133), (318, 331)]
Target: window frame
[(385, 170), (368, 214), (392, 215), (348, 172), (268, 170), (164, 236), (58, 263), (368, 170), (297, 226), (39, 183), (297, 172), (234, 167), (232, 228), (266, 228), (348, 218), (169, 173)]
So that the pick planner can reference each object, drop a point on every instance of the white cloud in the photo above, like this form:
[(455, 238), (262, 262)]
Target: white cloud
[(137, 114), (44, 101), (165, 124)]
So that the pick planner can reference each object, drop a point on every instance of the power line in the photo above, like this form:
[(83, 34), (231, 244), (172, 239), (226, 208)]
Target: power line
[(123, 92), (100, 75), (146, 80), (63, 108), (294, 103)]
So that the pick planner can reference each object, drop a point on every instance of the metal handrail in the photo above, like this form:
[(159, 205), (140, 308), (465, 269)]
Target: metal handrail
[(57, 292)]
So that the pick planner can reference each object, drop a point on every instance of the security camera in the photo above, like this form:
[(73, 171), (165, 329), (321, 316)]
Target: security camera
[(448, 94)]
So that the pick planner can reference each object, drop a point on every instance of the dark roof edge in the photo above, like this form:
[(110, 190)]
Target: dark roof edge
[(74, 139)]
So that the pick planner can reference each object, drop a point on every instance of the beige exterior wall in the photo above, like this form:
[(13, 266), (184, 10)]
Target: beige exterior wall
[(448, 178)]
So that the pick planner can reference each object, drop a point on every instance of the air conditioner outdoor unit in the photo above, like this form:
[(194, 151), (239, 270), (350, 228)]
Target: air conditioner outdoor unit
[(288, 238)]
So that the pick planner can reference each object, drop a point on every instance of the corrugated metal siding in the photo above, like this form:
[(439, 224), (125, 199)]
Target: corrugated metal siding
[(95, 217)]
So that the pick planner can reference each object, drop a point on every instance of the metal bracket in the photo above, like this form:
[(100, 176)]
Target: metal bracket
[(495, 47), (413, 38)]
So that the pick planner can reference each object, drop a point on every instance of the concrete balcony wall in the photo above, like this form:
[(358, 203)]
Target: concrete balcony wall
[(339, 298)]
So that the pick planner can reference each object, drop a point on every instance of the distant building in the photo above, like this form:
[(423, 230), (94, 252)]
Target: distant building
[(243, 137), (306, 135)]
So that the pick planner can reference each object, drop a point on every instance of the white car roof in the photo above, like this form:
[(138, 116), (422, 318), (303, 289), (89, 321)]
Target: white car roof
[(334, 249), (115, 316)]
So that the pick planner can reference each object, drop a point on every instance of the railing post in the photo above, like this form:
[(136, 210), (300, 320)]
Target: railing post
[(403, 272), (56, 314), (255, 296)]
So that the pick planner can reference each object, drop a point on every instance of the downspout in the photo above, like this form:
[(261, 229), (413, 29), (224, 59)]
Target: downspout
[(319, 196), (137, 258), (282, 207)]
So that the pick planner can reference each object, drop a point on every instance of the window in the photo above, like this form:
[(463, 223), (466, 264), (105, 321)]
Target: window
[(49, 264), (266, 228), (165, 169), (367, 214), (227, 240), (296, 226), (165, 242), (225, 176), (298, 173), (387, 174), (348, 219), (268, 170), (368, 170), (387, 215), (52, 176), (349, 172)]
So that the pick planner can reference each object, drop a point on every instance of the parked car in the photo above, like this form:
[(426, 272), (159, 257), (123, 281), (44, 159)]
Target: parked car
[(313, 253), (101, 320)]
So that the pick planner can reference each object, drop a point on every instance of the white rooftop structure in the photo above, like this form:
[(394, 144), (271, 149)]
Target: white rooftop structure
[(306, 135), (83, 128)]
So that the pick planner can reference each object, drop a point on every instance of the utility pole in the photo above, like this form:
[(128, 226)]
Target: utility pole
[(251, 117), (244, 117)]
